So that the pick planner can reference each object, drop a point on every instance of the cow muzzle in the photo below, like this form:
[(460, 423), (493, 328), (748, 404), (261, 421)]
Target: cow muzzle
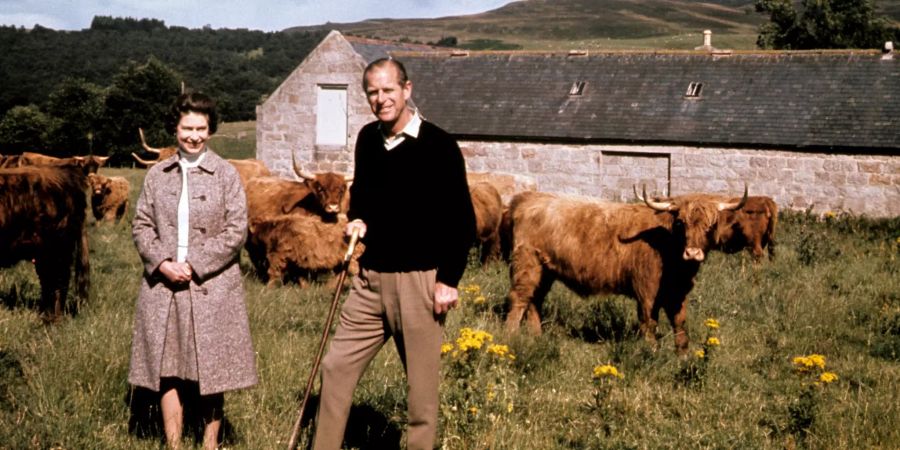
[(693, 253)]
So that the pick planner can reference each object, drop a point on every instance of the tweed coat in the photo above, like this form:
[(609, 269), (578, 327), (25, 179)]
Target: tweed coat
[(218, 228)]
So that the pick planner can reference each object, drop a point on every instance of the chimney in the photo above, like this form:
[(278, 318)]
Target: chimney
[(888, 51), (707, 42)]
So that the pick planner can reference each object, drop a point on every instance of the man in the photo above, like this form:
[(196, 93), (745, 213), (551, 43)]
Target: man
[(411, 206)]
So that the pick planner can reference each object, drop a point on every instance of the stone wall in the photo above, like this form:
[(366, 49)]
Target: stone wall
[(860, 184), (286, 121)]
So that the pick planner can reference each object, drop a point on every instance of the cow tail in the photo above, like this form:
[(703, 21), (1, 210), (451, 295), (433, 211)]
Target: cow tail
[(82, 269)]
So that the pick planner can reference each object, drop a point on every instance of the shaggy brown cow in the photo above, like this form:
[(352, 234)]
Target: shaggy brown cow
[(751, 227), (302, 246), (109, 197), (320, 195), (249, 168), (488, 209), (42, 212), (88, 164), (10, 161), (648, 252), (164, 152)]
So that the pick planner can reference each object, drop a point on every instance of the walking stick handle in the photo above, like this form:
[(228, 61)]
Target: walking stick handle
[(354, 237)]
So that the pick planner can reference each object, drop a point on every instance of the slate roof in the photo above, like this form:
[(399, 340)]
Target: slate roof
[(372, 49), (844, 100)]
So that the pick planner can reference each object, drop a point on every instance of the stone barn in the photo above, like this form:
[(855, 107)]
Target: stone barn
[(812, 129)]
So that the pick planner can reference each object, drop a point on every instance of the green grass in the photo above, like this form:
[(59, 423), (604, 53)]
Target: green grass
[(235, 140), (833, 289)]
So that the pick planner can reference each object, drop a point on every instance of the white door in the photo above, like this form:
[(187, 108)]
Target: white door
[(331, 115)]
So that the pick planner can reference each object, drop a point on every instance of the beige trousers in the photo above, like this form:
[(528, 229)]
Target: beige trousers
[(381, 306)]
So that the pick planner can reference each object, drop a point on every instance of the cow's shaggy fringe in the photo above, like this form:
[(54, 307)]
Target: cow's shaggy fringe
[(65, 386)]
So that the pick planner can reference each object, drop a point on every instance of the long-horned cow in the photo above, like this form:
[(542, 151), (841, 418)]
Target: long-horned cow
[(109, 197), (42, 214), (650, 252), (751, 227), (320, 195), (88, 164), (164, 152)]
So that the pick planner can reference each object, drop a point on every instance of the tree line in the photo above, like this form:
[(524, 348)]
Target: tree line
[(81, 92)]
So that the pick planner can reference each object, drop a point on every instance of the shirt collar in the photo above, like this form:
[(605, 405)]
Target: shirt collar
[(411, 129)]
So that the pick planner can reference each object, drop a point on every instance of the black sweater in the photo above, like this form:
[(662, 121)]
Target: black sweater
[(415, 202)]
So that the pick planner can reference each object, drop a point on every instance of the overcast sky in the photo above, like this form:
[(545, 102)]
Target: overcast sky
[(267, 15)]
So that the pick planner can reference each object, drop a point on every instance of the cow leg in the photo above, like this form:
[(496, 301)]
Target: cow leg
[(676, 311), (490, 250), (257, 254), (757, 248), (648, 317), (53, 273), (276, 265), (525, 273)]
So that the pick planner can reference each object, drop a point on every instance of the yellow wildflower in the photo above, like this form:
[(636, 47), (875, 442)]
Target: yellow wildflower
[(828, 377), (830, 214), (713, 341), (807, 363), (491, 395), (700, 354), (479, 300), (446, 347), (472, 339), (472, 289), (607, 371), (499, 350), (712, 324), (817, 360), (509, 407), (473, 410), (802, 364)]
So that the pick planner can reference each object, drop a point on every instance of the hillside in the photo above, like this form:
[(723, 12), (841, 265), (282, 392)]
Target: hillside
[(565, 24)]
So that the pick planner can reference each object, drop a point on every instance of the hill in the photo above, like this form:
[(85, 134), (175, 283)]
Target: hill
[(566, 24)]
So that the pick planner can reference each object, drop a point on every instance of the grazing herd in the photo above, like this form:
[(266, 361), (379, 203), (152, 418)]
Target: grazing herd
[(650, 250)]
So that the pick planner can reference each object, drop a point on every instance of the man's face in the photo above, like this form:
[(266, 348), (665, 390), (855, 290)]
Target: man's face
[(385, 94)]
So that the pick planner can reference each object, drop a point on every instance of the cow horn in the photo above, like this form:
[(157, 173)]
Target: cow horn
[(734, 206), (144, 143), (101, 159), (300, 172), (659, 206), (348, 178), (636, 195), (142, 161)]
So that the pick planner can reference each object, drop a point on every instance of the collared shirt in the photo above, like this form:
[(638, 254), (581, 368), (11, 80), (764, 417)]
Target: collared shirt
[(186, 161), (411, 129)]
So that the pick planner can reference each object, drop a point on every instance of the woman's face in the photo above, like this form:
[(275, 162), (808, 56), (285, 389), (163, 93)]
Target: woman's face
[(192, 132)]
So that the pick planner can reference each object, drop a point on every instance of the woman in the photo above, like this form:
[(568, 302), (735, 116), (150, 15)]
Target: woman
[(191, 329)]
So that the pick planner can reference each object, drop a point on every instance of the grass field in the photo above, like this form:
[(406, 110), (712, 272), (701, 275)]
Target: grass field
[(832, 290)]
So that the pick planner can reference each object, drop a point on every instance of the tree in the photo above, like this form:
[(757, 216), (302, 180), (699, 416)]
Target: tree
[(78, 107), (24, 129), (140, 97), (823, 24)]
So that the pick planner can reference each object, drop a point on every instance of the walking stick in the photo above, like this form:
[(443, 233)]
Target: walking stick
[(292, 444)]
